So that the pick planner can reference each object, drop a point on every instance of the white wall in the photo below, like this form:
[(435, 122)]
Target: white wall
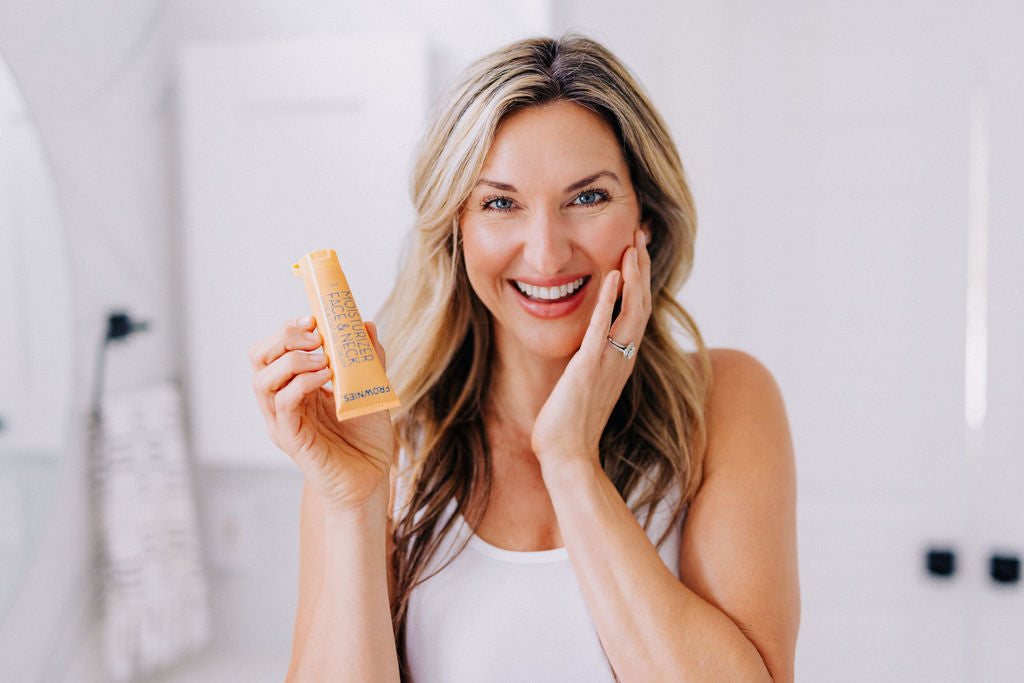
[(36, 357), (840, 155), (800, 125), (93, 78)]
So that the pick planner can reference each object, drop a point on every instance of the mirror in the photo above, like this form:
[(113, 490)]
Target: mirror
[(36, 352)]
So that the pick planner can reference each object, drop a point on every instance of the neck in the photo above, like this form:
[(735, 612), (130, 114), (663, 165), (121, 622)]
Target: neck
[(520, 385)]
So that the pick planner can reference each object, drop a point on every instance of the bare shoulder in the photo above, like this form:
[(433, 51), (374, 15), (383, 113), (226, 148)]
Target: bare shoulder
[(745, 406), (734, 369), (737, 374)]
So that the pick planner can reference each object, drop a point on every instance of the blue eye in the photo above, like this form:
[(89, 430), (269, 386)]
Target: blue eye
[(590, 197), (498, 204)]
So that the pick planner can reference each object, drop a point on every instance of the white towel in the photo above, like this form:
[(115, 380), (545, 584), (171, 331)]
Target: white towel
[(155, 607)]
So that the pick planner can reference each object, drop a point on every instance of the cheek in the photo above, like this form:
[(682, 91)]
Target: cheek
[(485, 259), (609, 241)]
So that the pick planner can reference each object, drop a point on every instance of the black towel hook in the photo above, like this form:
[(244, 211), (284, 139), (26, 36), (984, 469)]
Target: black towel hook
[(121, 325)]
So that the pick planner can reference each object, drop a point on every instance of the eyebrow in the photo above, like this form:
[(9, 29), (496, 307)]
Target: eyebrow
[(579, 184)]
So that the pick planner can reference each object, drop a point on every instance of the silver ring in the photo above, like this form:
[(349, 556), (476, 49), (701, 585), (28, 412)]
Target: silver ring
[(628, 350)]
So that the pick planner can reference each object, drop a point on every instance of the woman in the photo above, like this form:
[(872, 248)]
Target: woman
[(523, 516)]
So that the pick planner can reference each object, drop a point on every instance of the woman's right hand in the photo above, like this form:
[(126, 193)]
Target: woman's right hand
[(345, 462)]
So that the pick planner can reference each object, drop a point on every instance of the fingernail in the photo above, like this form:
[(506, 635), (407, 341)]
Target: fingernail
[(311, 336), (306, 321), (316, 357), (636, 257)]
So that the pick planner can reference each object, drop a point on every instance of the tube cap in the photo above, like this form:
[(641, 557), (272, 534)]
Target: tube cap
[(315, 260)]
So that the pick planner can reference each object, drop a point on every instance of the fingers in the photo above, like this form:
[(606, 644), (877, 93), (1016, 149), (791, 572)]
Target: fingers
[(273, 378), (296, 335), (285, 374), (289, 399), (601, 319), (629, 326), (284, 345)]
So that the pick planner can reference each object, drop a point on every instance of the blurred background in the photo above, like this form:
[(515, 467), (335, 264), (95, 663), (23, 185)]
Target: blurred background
[(857, 169)]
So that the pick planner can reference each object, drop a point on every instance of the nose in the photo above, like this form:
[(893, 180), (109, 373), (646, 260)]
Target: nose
[(547, 246)]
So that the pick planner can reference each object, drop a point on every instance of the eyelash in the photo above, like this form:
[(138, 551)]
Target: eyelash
[(486, 204), (602, 196)]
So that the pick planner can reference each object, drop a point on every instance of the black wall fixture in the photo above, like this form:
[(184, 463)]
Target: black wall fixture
[(1004, 568), (941, 562)]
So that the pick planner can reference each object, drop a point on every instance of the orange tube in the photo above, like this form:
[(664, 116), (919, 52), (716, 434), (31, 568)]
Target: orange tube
[(360, 385)]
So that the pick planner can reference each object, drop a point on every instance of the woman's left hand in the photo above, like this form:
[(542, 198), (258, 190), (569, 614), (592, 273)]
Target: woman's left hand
[(571, 421)]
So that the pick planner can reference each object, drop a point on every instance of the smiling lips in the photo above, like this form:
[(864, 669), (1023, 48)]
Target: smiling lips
[(550, 301), (550, 294)]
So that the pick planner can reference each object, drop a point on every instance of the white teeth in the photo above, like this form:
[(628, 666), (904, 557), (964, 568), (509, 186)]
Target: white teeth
[(549, 293)]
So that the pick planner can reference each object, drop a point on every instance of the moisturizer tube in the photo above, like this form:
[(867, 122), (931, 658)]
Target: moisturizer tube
[(360, 386)]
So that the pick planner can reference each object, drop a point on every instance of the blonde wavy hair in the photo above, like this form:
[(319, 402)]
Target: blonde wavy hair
[(439, 334)]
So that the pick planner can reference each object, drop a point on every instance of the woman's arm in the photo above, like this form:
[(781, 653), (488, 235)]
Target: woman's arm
[(734, 613), (343, 623)]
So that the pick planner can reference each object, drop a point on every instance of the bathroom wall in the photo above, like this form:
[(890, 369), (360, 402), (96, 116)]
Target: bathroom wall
[(35, 358), (94, 81), (850, 163), (101, 81), (814, 134)]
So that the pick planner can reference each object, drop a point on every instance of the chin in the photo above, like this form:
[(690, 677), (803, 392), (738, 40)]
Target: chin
[(553, 339), (554, 348)]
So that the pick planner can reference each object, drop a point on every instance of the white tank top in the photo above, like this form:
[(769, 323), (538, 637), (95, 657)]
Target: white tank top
[(505, 615)]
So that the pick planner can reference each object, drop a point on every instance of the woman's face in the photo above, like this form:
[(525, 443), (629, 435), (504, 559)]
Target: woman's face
[(552, 212)]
